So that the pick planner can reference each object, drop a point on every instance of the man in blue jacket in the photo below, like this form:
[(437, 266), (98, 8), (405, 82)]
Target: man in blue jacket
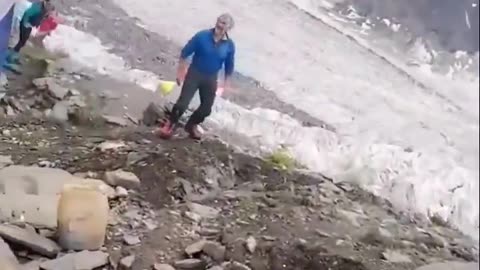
[(212, 49)]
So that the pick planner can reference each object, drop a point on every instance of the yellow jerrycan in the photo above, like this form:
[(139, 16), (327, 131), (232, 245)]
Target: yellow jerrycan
[(82, 218)]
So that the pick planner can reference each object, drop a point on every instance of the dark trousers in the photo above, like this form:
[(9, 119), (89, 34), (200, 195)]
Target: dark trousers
[(207, 87), (24, 36)]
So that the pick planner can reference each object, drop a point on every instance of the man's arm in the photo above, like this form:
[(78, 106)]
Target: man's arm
[(229, 65), (186, 52)]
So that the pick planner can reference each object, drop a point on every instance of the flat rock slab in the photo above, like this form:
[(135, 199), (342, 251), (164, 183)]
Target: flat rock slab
[(40, 211), (450, 266), (84, 260), (33, 180), (30, 240)]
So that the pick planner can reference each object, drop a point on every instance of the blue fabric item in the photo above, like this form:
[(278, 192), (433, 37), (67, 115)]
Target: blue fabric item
[(5, 27), (208, 57)]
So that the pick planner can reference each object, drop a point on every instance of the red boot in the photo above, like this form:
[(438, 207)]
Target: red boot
[(193, 132), (166, 131)]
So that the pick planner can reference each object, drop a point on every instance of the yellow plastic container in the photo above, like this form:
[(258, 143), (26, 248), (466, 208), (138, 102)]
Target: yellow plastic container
[(82, 218)]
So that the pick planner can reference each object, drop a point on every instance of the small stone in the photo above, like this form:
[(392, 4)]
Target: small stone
[(216, 267), (193, 216), (10, 111), (162, 266), (214, 250), (395, 257), (114, 120), (47, 233), (110, 145), (208, 232), (134, 157), (74, 92), (59, 112), (152, 114), (6, 133), (5, 161), (378, 236), (42, 83), (268, 238), (122, 178), (235, 266), (28, 239), (127, 262), (131, 240), (49, 84), (190, 264), (77, 101), (205, 212), (323, 234), (121, 192), (195, 248), (150, 224), (85, 260), (251, 244)]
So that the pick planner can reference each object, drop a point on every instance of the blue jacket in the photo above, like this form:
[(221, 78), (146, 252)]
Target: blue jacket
[(208, 57)]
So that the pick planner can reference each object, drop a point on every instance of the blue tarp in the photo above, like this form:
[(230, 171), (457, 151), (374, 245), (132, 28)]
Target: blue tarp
[(5, 27)]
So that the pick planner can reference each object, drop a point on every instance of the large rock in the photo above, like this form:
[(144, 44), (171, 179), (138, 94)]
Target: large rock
[(450, 266), (38, 188), (8, 261), (85, 260), (82, 218), (30, 240), (38, 210)]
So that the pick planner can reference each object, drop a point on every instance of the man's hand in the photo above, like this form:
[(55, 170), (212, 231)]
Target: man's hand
[(181, 72), (225, 86)]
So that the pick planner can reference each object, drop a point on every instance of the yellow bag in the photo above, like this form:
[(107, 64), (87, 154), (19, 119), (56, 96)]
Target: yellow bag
[(166, 87)]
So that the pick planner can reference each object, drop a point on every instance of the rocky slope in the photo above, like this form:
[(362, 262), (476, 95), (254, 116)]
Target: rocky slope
[(184, 205)]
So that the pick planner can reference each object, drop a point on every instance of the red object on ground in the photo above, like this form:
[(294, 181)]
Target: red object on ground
[(48, 25)]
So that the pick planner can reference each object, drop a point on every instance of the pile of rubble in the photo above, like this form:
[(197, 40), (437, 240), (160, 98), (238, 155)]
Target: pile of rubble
[(59, 104), (31, 200)]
